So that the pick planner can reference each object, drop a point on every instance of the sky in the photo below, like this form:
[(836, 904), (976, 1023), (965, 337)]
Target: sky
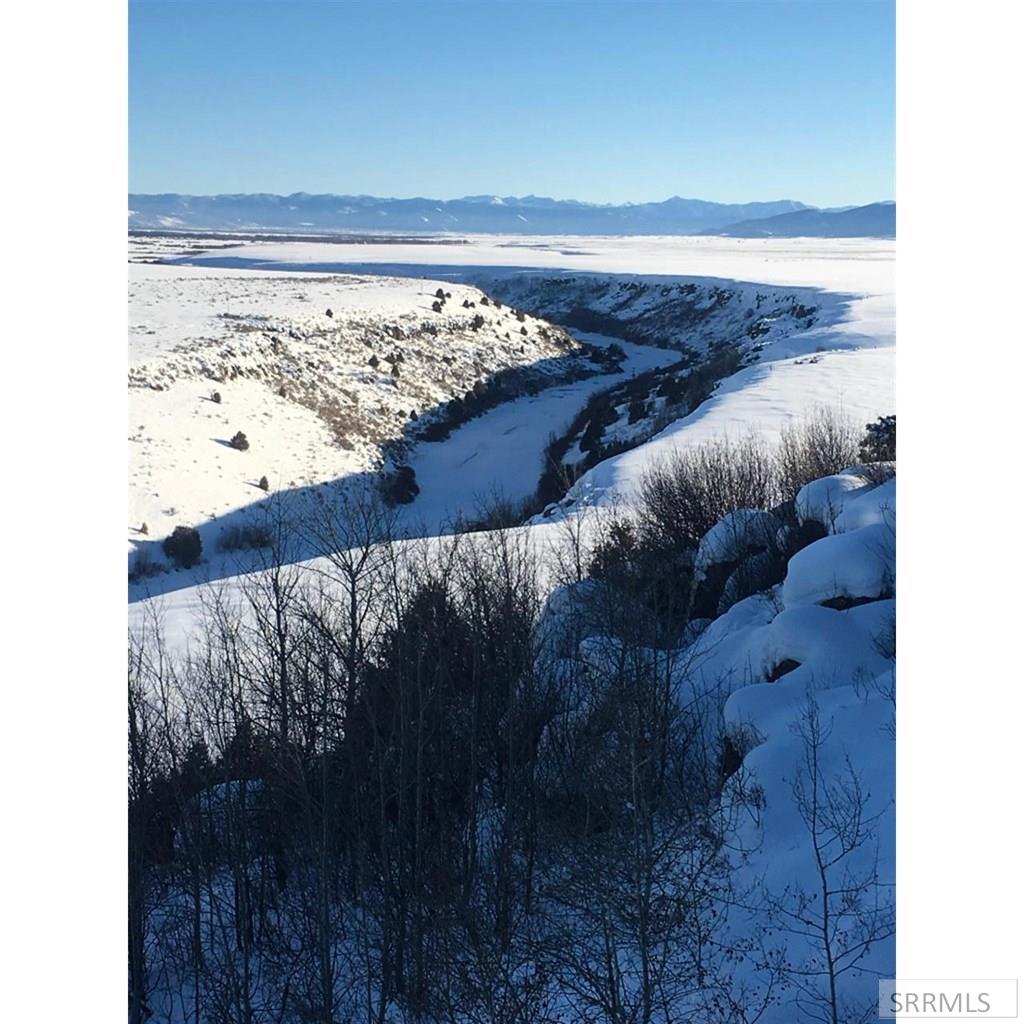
[(597, 100)]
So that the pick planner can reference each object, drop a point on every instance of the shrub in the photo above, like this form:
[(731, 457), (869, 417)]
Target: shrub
[(240, 442), (374, 362), (477, 322), (244, 537), (330, 313), (879, 441), (436, 306), (439, 294), (603, 415), (215, 397), (522, 330), (184, 547), (823, 443), (264, 484), (144, 529), (143, 566), (395, 371), (400, 487), (637, 410), (685, 494)]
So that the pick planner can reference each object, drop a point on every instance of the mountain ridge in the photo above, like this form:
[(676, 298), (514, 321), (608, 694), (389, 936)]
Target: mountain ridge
[(479, 213), (875, 220)]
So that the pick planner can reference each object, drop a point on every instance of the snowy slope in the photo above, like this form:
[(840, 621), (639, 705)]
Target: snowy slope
[(499, 454), (764, 398), (180, 333), (317, 371)]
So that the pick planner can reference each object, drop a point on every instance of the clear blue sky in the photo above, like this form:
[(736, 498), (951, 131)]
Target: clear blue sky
[(603, 101)]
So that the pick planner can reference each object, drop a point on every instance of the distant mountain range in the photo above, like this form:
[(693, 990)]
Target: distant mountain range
[(528, 215), (874, 220)]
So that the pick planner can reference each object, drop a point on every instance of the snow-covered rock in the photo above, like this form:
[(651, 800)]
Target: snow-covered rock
[(847, 500), (860, 564), (734, 536)]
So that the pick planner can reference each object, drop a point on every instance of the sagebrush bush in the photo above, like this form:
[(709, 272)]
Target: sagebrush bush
[(824, 442), (637, 410), (144, 565), (264, 484), (240, 442), (244, 537), (684, 494), (184, 547)]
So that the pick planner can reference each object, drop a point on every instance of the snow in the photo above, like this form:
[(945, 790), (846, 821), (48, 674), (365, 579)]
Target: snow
[(846, 500), (499, 454), (732, 535), (765, 398), (250, 336), (860, 266), (759, 670), (858, 564), (846, 362)]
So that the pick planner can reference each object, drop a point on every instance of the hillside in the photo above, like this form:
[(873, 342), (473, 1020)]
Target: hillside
[(326, 376)]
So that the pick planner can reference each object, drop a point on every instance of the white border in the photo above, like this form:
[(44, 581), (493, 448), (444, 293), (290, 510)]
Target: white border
[(960, 409)]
